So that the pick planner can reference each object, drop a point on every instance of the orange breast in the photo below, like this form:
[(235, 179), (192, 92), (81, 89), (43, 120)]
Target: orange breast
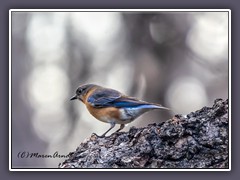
[(104, 114)]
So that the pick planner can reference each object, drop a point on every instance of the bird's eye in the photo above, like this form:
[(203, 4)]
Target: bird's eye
[(79, 91)]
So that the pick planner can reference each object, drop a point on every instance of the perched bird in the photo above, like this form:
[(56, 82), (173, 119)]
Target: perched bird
[(111, 106)]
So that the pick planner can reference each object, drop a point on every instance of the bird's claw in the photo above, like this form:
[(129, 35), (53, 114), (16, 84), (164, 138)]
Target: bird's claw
[(94, 134)]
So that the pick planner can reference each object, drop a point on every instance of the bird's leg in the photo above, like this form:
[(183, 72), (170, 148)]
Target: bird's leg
[(121, 127), (112, 126)]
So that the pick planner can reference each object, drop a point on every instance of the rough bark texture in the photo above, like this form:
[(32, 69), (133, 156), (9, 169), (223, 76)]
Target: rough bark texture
[(198, 140)]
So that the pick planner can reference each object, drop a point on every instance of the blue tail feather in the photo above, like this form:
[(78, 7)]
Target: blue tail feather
[(137, 104)]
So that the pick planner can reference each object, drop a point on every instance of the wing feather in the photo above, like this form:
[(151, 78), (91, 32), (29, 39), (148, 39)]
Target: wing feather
[(103, 97)]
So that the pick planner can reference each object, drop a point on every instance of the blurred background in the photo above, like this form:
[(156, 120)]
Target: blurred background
[(177, 59)]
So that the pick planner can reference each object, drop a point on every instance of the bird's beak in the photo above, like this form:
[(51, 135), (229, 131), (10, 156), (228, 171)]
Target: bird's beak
[(73, 98)]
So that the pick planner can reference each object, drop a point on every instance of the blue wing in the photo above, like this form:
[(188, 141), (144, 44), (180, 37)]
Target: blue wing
[(132, 103), (128, 102), (111, 98), (103, 97)]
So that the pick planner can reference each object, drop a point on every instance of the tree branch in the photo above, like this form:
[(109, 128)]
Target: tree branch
[(198, 140)]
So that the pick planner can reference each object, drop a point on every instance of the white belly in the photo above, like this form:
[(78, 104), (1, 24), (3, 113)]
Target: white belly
[(129, 114)]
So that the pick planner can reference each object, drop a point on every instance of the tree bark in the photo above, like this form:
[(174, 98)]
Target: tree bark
[(197, 140)]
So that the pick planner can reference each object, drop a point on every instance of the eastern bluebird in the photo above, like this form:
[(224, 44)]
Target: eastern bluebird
[(111, 106)]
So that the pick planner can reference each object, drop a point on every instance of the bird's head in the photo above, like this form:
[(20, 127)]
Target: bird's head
[(82, 91)]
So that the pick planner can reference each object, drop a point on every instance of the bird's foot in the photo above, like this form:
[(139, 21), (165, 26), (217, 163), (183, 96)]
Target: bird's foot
[(102, 136)]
